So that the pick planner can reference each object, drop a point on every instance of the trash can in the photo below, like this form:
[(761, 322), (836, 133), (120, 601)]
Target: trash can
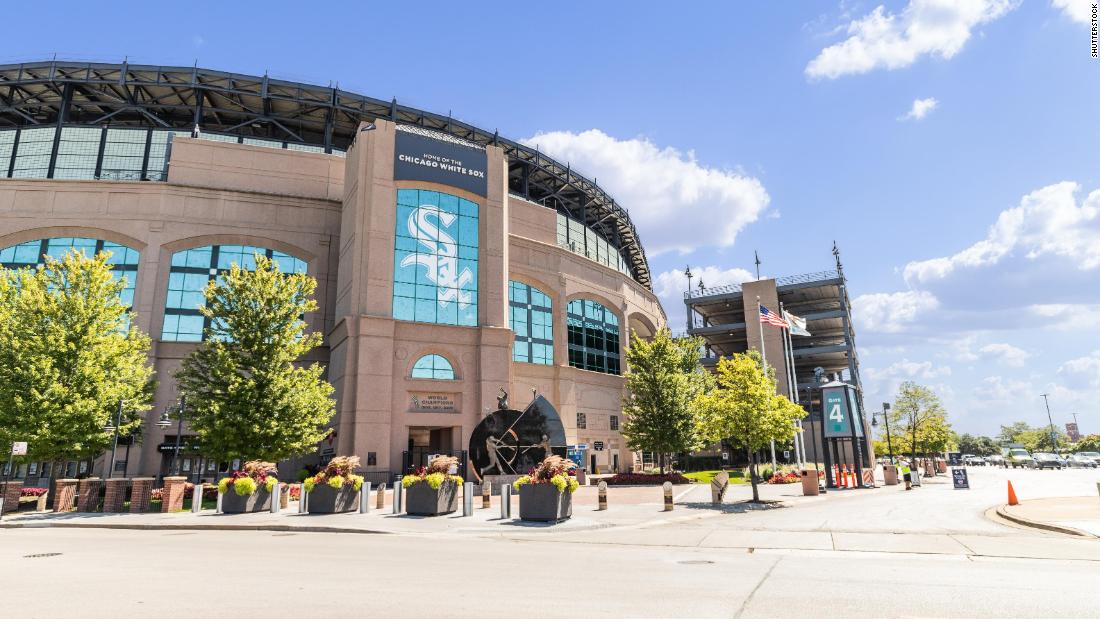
[(890, 473), (810, 481)]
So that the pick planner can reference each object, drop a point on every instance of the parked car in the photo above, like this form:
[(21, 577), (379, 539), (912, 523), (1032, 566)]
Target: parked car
[(972, 460), (1019, 458), (1048, 461), (1094, 455), (1082, 461), (996, 460)]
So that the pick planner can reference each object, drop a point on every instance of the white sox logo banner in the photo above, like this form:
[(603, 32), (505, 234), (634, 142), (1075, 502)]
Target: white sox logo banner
[(440, 259)]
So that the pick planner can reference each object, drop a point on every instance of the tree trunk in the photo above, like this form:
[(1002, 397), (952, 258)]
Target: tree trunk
[(752, 477)]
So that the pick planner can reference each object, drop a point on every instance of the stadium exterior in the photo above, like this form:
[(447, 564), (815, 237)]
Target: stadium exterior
[(451, 262)]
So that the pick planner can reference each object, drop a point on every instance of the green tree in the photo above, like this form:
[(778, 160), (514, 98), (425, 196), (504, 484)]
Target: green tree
[(662, 382), (917, 411), (744, 409), (1011, 433), (1090, 442), (246, 397), (69, 354)]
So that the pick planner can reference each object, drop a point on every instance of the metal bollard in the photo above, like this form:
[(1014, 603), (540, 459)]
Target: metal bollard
[(398, 487), (486, 491), (2, 505), (196, 499), (364, 498), (303, 499), (218, 507), (468, 498), (668, 496), (381, 494), (275, 490), (603, 496), (505, 501)]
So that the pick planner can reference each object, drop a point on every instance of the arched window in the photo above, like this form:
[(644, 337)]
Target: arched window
[(192, 269), (123, 260), (532, 318), (593, 336), (433, 366)]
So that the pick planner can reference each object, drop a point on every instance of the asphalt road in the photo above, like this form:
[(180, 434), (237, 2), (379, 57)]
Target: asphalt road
[(926, 553)]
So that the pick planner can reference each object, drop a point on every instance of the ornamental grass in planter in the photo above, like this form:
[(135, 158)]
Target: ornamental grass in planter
[(336, 488), (546, 495), (249, 489), (432, 490)]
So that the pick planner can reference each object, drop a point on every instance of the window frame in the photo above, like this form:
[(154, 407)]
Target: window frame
[(434, 369), (593, 336)]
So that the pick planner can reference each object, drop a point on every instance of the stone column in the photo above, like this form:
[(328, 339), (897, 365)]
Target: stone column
[(11, 491), (64, 495), (139, 494), (115, 495), (88, 489), (171, 498)]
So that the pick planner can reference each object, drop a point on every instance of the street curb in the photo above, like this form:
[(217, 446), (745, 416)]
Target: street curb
[(1035, 524), (188, 527)]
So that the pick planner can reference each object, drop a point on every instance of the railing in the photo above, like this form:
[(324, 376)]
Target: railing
[(787, 280)]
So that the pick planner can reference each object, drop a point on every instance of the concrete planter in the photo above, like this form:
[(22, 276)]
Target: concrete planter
[(258, 501), (543, 503), (327, 500), (422, 500)]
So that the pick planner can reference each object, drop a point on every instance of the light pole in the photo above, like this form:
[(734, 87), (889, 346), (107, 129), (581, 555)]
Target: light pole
[(165, 422), (687, 272), (874, 422), (1050, 420), (113, 427)]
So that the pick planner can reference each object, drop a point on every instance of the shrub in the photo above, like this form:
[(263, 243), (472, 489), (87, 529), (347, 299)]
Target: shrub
[(645, 479), (32, 491), (435, 474), (554, 470), (785, 478), (337, 474), (244, 486)]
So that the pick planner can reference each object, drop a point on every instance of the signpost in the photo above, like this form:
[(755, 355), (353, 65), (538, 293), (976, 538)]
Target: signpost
[(959, 478)]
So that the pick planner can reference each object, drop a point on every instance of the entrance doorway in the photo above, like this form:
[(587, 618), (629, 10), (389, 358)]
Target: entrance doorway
[(426, 442)]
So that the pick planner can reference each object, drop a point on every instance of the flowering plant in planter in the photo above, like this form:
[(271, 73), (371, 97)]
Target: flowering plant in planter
[(245, 482), (546, 494), (432, 490), (554, 470), (337, 474)]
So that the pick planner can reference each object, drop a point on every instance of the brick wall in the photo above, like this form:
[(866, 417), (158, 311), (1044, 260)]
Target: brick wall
[(11, 492), (89, 494), (172, 494), (139, 494), (115, 496), (64, 495)]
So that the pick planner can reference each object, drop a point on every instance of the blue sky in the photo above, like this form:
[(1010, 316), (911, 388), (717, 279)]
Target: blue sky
[(948, 147)]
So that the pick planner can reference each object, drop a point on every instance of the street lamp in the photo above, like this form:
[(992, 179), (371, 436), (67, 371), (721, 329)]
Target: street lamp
[(885, 414), (165, 422), (1053, 437), (113, 427)]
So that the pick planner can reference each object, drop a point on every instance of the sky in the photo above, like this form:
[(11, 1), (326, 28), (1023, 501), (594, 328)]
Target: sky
[(948, 147)]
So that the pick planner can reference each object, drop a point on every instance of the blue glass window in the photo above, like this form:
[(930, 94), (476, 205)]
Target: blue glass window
[(532, 319), (192, 269), (593, 336), (123, 260), (435, 258), (434, 367)]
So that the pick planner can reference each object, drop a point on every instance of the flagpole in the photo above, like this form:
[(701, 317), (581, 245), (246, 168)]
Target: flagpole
[(764, 361)]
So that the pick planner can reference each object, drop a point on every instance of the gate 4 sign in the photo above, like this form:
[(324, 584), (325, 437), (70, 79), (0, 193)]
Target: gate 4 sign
[(839, 408)]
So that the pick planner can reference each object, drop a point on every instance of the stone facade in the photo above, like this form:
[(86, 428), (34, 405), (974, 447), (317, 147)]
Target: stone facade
[(338, 215)]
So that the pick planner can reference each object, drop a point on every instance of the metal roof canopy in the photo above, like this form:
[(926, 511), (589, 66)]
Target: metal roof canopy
[(85, 93)]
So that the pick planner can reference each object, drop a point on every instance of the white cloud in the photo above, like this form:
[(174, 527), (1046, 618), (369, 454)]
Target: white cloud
[(1079, 11), (667, 191), (1082, 372), (669, 286), (923, 370), (1068, 316), (920, 109), (891, 312), (997, 389), (1006, 354), (884, 40), (1048, 222)]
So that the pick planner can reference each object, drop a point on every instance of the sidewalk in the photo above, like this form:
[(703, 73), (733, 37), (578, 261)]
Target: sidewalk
[(627, 507), (1073, 515)]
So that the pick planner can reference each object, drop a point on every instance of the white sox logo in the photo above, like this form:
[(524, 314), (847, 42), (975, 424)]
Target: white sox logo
[(441, 263)]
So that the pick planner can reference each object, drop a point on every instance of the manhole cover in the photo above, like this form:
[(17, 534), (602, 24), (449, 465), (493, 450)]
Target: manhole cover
[(695, 562), (41, 554)]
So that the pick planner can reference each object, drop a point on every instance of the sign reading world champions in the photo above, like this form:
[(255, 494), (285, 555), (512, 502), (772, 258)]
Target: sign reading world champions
[(422, 158)]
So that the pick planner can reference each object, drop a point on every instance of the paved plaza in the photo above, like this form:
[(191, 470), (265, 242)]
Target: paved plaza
[(934, 551)]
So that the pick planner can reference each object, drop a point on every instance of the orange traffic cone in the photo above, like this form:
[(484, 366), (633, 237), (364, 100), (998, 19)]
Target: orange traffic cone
[(1012, 500), (855, 480), (844, 476)]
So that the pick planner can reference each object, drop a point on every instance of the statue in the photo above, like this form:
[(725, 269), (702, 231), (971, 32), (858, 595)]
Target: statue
[(502, 400)]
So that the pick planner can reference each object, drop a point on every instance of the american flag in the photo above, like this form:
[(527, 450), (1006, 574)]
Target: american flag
[(772, 319)]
